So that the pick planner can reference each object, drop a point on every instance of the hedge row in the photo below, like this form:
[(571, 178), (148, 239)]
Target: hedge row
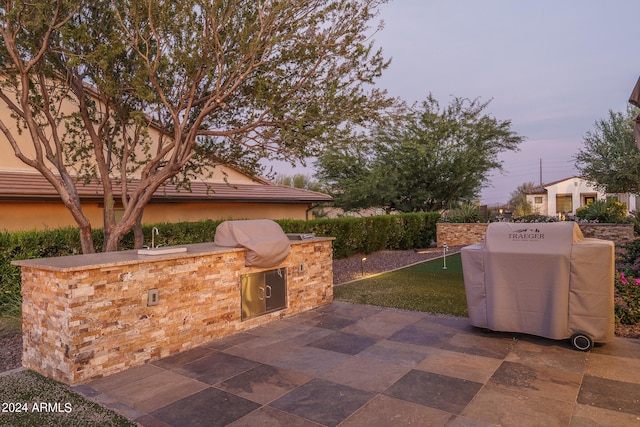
[(353, 235)]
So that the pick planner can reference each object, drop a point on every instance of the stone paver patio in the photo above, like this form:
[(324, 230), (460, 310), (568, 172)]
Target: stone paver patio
[(356, 365)]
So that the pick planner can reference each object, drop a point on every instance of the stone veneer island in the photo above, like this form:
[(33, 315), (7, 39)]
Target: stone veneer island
[(87, 316)]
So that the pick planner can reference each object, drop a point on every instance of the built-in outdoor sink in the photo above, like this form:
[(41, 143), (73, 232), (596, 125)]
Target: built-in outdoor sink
[(162, 250), (301, 236)]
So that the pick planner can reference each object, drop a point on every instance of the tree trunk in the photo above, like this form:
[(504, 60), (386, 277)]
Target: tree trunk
[(138, 235), (86, 239)]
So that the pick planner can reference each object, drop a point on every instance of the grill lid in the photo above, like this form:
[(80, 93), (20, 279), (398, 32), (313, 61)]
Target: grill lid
[(265, 242)]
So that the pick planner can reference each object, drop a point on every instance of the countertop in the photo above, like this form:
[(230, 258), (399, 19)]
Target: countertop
[(106, 259)]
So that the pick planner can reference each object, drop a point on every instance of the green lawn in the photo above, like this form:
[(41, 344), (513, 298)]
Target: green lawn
[(424, 287)]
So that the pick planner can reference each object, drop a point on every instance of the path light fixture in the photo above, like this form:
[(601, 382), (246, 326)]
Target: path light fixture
[(445, 248), (362, 265)]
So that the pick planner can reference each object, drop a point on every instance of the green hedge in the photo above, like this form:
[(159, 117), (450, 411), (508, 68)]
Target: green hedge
[(353, 235), (370, 234)]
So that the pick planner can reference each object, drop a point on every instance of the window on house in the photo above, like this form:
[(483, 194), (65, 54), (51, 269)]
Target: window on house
[(564, 203), (589, 199), (537, 199)]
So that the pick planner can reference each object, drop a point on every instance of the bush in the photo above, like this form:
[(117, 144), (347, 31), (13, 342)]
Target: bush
[(370, 234), (464, 214), (627, 299), (627, 284), (606, 211)]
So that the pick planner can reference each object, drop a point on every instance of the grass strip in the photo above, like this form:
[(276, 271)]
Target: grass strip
[(426, 287)]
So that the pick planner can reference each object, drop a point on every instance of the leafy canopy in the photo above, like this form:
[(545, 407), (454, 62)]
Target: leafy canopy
[(610, 158), (136, 93), (429, 159)]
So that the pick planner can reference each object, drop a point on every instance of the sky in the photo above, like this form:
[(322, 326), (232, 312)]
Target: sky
[(551, 67)]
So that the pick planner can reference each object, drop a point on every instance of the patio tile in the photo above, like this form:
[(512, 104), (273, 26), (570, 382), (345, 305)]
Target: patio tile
[(590, 416), (106, 384), (462, 421), (296, 331), (386, 411), (614, 368), (364, 374), (273, 328), (480, 345), (423, 333), (323, 401), (264, 383), (267, 416), (398, 353), (549, 355), (623, 347), (309, 360), (215, 367), (230, 341), (434, 390), (350, 311), (460, 324), (535, 380), (398, 316), (375, 327), (610, 394), (507, 408), (150, 393), (344, 343), (209, 407), (309, 336), (330, 321), (183, 357), (149, 421), (253, 345), (458, 365)]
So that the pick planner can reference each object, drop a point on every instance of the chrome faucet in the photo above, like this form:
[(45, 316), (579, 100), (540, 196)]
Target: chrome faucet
[(154, 232)]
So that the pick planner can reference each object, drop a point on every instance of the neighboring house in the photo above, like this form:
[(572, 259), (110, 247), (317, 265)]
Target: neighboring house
[(564, 197), (29, 201)]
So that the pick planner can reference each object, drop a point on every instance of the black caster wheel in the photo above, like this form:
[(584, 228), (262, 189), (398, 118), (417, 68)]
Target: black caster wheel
[(581, 342)]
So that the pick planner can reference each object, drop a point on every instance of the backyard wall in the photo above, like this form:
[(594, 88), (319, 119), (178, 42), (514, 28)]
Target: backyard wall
[(455, 234), (87, 316)]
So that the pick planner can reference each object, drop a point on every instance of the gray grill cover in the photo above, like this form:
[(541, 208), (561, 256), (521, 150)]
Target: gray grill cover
[(266, 243), (542, 279)]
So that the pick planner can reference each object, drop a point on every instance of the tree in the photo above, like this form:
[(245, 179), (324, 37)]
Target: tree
[(135, 94), (429, 159), (610, 158), (299, 181), (521, 206)]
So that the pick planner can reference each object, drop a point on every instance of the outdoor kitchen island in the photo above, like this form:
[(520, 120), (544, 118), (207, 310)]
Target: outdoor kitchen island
[(88, 316)]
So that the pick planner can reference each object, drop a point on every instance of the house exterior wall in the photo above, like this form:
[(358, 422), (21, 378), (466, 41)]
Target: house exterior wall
[(541, 208), (575, 187), (22, 216), (9, 162)]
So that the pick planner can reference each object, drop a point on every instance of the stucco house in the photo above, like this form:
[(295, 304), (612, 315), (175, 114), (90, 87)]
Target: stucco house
[(565, 196), (28, 201)]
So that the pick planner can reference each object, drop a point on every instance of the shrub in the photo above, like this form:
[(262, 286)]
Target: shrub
[(466, 213), (627, 284), (607, 211), (627, 299)]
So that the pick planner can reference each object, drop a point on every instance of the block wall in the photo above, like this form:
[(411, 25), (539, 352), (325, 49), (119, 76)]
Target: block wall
[(460, 234), (81, 325), (454, 234)]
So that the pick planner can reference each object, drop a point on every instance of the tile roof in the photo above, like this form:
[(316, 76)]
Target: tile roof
[(32, 186), (541, 189)]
